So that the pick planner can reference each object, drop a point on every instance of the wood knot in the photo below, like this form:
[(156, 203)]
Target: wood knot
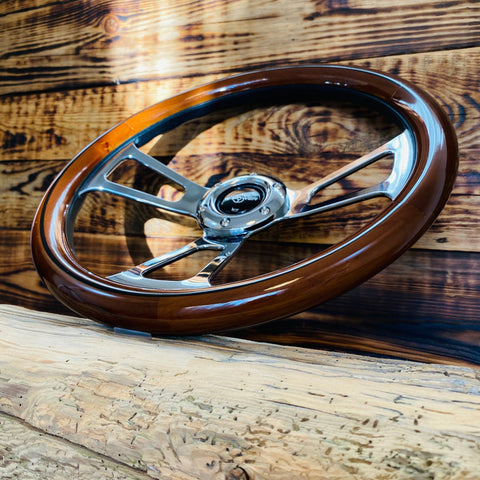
[(111, 24), (238, 473)]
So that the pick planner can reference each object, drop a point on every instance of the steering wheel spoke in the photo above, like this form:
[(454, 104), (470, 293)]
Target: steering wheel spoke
[(403, 150), (138, 275), (342, 201), (191, 192), (207, 273)]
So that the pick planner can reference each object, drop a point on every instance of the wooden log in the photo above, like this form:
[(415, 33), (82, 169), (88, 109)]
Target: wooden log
[(108, 404), (68, 45), (31, 454)]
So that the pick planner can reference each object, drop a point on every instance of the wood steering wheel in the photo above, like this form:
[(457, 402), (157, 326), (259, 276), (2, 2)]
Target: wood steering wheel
[(425, 160)]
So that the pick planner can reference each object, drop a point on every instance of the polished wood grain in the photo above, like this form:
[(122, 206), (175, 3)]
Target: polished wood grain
[(77, 399), (417, 197)]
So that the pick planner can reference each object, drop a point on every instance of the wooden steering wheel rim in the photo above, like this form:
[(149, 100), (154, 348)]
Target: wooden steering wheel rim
[(288, 290)]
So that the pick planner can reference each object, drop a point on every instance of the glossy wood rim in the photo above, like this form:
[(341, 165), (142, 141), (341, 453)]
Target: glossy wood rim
[(286, 291)]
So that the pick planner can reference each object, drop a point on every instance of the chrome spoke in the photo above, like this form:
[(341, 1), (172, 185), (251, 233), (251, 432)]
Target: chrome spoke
[(187, 204), (137, 275), (218, 263), (401, 147), (345, 200)]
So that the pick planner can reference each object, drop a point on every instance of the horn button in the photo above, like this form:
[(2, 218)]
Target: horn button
[(240, 200), (242, 205)]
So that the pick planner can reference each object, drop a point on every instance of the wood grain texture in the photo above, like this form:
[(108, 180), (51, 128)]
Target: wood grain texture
[(46, 127), (58, 45), (206, 407), (57, 125), (20, 283), (398, 313), (28, 453)]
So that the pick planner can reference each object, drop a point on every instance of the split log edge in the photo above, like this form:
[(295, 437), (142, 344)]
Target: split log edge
[(81, 401)]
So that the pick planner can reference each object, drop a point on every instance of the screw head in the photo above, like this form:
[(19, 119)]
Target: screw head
[(225, 222), (265, 210)]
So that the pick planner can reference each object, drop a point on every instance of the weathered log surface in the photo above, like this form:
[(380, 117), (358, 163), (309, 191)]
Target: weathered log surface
[(79, 401)]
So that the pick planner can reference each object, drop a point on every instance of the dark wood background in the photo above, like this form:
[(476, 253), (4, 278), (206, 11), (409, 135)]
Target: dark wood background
[(70, 70)]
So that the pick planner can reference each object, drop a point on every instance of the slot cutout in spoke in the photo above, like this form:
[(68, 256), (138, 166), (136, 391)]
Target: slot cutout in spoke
[(132, 174), (361, 185), (186, 205), (157, 272)]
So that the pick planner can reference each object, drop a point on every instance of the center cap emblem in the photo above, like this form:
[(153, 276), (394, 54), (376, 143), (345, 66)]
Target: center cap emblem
[(238, 200)]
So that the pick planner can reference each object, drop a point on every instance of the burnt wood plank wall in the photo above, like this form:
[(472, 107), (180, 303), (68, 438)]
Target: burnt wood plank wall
[(70, 70)]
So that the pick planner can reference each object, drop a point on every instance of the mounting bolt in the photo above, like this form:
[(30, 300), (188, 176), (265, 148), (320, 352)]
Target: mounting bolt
[(265, 210), (225, 222)]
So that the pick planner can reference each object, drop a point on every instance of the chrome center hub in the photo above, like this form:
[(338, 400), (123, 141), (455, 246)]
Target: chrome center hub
[(242, 205)]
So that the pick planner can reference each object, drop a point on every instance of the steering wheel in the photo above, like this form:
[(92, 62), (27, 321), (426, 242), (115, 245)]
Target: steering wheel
[(425, 160)]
